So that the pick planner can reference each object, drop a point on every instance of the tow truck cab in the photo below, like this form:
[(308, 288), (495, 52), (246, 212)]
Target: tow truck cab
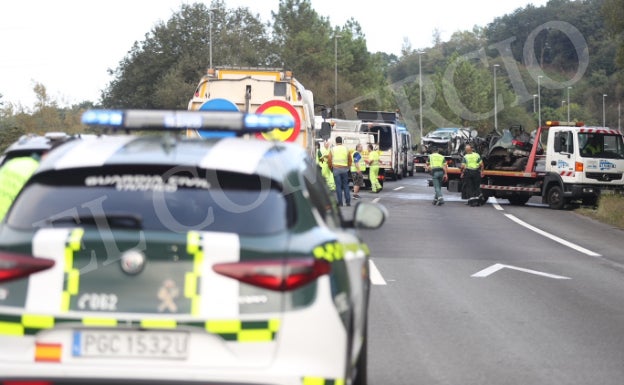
[(582, 161)]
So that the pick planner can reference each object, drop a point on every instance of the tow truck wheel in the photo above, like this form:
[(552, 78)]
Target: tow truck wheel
[(518, 200), (556, 200)]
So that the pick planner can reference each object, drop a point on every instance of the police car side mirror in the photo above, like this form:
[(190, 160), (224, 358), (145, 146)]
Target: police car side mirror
[(368, 215)]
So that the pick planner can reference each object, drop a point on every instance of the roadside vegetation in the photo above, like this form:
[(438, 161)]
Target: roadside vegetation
[(609, 210)]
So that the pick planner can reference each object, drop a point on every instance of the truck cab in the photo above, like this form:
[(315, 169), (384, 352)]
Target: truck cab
[(581, 161), (261, 91)]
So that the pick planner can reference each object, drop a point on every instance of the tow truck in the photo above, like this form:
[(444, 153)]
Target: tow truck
[(558, 169)]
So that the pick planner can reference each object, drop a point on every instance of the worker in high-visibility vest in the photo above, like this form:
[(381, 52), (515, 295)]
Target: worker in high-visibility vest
[(373, 169), (436, 164), (340, 162), (13, 175), (326, 171), (358, 166), (472, 172)]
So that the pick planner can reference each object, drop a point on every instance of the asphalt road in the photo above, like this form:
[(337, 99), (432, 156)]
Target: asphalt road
[(495, 295)]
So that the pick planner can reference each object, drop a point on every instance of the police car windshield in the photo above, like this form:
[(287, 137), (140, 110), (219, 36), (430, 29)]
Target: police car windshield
[(179, 203)]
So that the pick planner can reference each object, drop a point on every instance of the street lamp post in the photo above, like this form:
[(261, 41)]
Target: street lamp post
[(539, 100), (210, 34), (534, 108), (569, 103), (495, 101), (420, 87), (603, 110), (562, 104), (336, 36)]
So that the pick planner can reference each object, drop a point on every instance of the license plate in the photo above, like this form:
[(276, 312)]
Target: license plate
[(131, 344)]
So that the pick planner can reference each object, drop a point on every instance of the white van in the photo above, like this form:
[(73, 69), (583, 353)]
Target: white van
[(385, 126), (407, 152)]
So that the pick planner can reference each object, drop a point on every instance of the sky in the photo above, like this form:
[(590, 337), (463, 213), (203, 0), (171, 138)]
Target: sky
[(69, 45)]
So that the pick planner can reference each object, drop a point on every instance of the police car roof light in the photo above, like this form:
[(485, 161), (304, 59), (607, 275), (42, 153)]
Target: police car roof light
[(183, 119)]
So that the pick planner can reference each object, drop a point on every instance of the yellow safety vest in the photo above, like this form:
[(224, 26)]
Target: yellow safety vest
[(373, 159), (472, 161), (13, 176), (436, 160), (340, 156)]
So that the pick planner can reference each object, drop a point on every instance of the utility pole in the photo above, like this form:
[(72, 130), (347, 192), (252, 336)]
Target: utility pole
[(495, 106), (539, 100), (336, 36), (420, 87)]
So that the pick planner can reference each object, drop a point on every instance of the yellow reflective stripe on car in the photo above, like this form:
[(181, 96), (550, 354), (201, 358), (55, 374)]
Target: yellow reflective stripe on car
[(331, 251), (95, 321), (72, 275), (37, 321), (322, 381), (244, 331), (229, 330), (11, 329), (191, 279), (159, 324)]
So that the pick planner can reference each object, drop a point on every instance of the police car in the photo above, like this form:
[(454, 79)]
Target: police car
[(30, 144), (162, 259)]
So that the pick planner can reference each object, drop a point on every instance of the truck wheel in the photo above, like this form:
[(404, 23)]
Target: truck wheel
[(518, 200), (556, 200)]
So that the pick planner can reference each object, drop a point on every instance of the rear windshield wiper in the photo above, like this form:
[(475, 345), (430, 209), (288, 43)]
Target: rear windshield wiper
[(116, 220)]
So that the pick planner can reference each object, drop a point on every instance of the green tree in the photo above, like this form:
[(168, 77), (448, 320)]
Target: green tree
[(163, 70), (613, 12)]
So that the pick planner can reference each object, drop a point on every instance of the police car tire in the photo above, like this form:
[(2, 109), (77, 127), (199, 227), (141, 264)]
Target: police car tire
[(361, 367)]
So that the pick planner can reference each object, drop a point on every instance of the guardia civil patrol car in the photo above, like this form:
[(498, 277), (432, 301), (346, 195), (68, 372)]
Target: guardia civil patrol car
[(162, 259), (30, 144)]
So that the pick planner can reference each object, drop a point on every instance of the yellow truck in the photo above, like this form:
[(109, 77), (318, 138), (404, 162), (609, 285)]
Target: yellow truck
[(260, 91)]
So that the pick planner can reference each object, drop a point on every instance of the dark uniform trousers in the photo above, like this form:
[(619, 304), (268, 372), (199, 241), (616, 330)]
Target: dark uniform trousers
[(472, 179)]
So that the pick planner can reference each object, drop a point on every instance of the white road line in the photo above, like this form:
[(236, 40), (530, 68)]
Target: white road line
[(376, 200), (375, 275), (553, 237), (399, 188), (496, 205), (499, 266)]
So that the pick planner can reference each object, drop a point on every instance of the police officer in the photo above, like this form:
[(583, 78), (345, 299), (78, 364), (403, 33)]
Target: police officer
[(13, 175), (358, 166), (437, 166), (339, 161), (472, 172)]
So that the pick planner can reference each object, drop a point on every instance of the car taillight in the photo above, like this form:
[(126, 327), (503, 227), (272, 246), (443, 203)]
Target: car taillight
[(278, 275), (14, 266)]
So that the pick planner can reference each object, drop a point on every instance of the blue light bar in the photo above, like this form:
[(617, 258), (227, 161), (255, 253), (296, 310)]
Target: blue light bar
[(282, 122), (217, 121), (103, 117)]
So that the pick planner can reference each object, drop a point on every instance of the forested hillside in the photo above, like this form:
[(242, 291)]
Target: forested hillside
[(563, 56)]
